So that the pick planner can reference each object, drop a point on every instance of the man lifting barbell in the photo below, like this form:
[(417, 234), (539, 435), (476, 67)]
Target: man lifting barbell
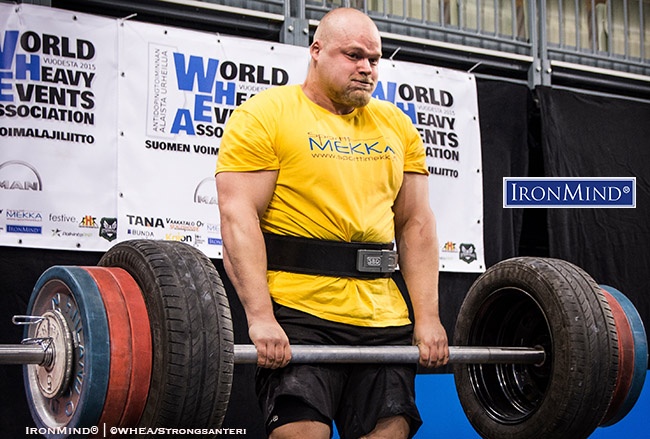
[(145, 340), (327, 222)]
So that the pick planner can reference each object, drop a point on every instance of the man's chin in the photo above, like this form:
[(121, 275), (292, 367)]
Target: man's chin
[(359, 98)]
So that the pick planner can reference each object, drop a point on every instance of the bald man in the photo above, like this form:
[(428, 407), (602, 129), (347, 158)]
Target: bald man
[(315, 182)]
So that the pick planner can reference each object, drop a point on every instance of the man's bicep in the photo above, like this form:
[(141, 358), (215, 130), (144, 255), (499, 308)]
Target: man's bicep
[(245, 191), (413, 199)]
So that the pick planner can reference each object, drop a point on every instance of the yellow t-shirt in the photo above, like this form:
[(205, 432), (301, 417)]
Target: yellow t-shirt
[(338, 177)]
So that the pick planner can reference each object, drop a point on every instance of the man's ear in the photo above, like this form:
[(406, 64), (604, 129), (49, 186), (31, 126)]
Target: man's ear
[(314, 49)]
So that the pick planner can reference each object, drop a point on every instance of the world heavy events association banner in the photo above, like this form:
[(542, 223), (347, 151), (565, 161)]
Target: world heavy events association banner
[(179, 88), (57, 128), (443, 106)]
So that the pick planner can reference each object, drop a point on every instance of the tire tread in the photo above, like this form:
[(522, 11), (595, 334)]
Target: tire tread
[(191, 322)]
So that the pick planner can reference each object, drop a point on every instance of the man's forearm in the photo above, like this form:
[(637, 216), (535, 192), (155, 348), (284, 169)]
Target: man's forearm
[(245, 263), (419, 260)]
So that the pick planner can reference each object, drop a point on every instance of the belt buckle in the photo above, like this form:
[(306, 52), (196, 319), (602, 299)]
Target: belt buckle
[(376, 261)]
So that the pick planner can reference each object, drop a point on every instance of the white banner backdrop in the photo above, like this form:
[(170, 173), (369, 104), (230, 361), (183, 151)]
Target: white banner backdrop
[(182, 86), (116, 134), (57, 128), (442, 104)]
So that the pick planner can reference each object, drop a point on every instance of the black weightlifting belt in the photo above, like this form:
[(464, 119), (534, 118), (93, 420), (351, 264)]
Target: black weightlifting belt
[(362, 260)]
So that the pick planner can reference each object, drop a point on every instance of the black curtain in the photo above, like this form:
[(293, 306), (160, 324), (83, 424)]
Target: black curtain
[(505, 114), (592, 136)]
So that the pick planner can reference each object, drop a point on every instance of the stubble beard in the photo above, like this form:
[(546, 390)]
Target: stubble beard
[(359, 98), (355, 97)]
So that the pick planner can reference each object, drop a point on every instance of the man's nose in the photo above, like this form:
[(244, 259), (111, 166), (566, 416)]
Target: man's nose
[(364, 66)]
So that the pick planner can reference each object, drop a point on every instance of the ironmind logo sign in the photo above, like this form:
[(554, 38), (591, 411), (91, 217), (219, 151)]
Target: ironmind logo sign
[(569, 192)]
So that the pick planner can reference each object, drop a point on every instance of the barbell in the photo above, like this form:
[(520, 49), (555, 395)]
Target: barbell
[(145, 339), (43, 352)]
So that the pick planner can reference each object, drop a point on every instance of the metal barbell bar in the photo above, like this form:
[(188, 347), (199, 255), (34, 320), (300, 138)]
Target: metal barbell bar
[(247, 354), (26, 353)]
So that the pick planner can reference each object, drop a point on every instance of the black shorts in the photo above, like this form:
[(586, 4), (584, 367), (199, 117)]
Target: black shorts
[(355, 396)]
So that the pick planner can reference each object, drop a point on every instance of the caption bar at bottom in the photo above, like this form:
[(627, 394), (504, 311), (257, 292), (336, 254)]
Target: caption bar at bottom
[(131, 431)]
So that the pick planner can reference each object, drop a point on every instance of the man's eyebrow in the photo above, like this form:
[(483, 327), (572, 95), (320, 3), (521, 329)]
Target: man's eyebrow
[(360, 49)]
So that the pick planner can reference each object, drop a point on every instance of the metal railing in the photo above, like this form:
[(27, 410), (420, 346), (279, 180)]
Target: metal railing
[(607, 33), (588, 35), (548, 42), (613, 28), (601, 29)]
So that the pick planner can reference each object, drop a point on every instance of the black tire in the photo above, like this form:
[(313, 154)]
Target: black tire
[(538, 302), (191, 330)]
